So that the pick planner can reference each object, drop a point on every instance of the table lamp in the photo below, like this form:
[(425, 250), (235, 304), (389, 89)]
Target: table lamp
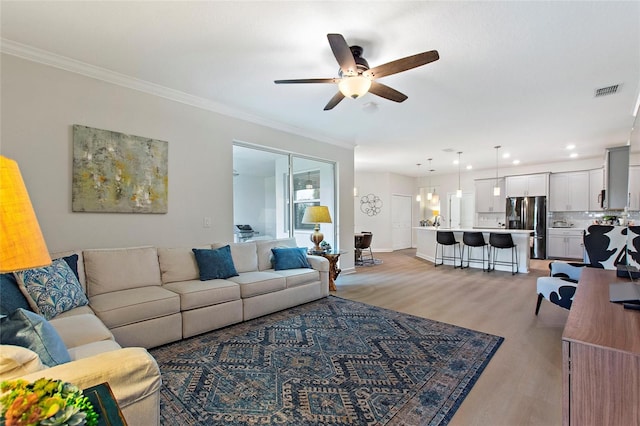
[(317, 215), (22, 245)]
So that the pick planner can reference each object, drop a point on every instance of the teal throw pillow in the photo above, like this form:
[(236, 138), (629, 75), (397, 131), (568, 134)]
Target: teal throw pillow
[(215, 263), (31, 331), (290, 258), (54, 288)]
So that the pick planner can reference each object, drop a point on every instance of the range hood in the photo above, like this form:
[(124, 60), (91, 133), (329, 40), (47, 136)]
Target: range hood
[(616, 178)]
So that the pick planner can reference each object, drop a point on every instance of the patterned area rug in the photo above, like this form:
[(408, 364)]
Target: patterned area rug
[(332, 361)]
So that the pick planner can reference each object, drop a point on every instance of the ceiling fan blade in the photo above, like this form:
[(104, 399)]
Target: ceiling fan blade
[(387, 92), (334, 101), (308, 80), (403, 64), (343, 54)]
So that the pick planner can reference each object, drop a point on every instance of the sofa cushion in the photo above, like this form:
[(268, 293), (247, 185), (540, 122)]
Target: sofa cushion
[(110, 270), (215, 263), (289, 258), (16, 361), (298, 277), (265, 256), (53, 289), (125, 307), (31, 331), (94, 348), (178, 264), (197, 294), (11, 298), (79, 330), (244, 255), (81, 310), (259, 282)]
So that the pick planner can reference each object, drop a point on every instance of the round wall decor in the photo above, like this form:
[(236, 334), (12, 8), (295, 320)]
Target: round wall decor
[(370, 204)]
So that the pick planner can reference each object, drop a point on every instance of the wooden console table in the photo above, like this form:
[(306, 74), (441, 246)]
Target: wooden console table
[(600, 356)]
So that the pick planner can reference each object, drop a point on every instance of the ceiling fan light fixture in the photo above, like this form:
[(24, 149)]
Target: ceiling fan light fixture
[(354, 86)]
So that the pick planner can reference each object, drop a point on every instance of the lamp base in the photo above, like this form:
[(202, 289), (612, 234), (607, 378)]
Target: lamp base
[(316, 238)]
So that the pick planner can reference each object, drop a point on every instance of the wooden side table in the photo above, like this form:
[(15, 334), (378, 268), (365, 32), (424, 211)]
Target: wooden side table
[(332, 256)]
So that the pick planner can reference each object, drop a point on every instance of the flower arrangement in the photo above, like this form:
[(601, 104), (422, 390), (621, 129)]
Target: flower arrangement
[(45, 402)]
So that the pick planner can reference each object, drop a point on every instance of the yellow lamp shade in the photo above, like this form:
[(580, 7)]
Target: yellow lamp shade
[(316, 214), (22, 245)]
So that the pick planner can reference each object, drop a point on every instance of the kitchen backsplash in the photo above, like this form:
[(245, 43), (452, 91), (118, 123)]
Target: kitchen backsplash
[(580, 220), (585, 219)]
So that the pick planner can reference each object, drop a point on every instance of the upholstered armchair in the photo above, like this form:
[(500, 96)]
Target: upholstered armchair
[(560, 287)]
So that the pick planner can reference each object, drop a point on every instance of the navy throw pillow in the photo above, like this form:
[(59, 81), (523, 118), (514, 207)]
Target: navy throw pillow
[(290, 258), (31, 331), (215, 263), (11, 298)]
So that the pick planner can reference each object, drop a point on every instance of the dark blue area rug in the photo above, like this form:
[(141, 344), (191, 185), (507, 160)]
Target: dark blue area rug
[(332, 361)]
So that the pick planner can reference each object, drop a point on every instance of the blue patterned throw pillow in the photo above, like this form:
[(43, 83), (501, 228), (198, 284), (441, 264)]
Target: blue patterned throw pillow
[(215, 263), (290, 258), (54, 289), (31, 331)]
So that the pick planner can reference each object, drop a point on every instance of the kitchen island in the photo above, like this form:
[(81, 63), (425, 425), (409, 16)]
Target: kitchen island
[(426, 245)]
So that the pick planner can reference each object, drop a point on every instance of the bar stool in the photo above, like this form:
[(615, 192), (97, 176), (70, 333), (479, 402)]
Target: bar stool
[(503, 241), (473, 240), (446, 238)]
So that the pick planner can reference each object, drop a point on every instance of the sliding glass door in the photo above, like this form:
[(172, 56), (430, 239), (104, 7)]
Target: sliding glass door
[(271, 191)]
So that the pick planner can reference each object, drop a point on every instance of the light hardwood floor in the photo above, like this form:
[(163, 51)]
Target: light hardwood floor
[(522, 383)]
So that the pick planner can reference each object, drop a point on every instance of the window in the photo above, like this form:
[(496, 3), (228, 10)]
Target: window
[(270, 188)]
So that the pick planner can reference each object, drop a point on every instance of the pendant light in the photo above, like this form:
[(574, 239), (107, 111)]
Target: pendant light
[(309, 183), (459, 191), (496, 189), (430, 194)]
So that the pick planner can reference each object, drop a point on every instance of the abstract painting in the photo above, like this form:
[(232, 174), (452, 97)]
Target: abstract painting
[(118, 173)]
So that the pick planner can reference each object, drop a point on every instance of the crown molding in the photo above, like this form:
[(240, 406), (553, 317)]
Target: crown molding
[(44, 57)]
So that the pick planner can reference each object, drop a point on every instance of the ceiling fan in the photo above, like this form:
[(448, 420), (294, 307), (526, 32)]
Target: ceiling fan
[(356, 78)]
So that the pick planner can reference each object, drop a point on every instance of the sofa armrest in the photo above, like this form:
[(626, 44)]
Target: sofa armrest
[(132, 374), (318, 263)]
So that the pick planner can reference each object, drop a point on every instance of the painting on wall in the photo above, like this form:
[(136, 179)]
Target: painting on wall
[(118, 173)]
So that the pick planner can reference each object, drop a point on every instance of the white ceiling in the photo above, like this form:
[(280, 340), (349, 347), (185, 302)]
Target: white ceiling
[(517, 74)]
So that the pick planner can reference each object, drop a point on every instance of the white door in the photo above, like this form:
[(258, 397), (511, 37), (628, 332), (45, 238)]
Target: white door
[(401, 222)]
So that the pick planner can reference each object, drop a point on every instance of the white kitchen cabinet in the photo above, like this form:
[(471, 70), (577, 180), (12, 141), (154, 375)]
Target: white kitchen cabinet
[(565, 244), (634, 188), (596, 185), (527, 185), (486, 202), (569, 191)]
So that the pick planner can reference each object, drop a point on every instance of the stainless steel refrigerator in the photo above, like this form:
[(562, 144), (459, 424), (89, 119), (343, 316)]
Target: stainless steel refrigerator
[(530, 213)]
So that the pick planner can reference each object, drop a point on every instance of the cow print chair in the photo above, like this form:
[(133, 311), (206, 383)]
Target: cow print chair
[(560, 287)]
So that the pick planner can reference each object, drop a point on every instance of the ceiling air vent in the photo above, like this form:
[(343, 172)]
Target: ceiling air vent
[(604, 91)]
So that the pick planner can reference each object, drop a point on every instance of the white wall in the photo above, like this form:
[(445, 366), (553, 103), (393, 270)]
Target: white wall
[(383, 185), (40, 104)]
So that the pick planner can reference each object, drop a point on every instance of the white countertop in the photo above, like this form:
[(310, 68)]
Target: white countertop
[(487, 230)]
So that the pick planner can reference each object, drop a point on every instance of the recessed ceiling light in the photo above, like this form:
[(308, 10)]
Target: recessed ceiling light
[(571, 146), (469, 167), (506, 155), (573, 155), (516, 162), (455, 161)]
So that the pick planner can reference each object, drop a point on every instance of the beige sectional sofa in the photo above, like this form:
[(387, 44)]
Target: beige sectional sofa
[(143, 297)]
